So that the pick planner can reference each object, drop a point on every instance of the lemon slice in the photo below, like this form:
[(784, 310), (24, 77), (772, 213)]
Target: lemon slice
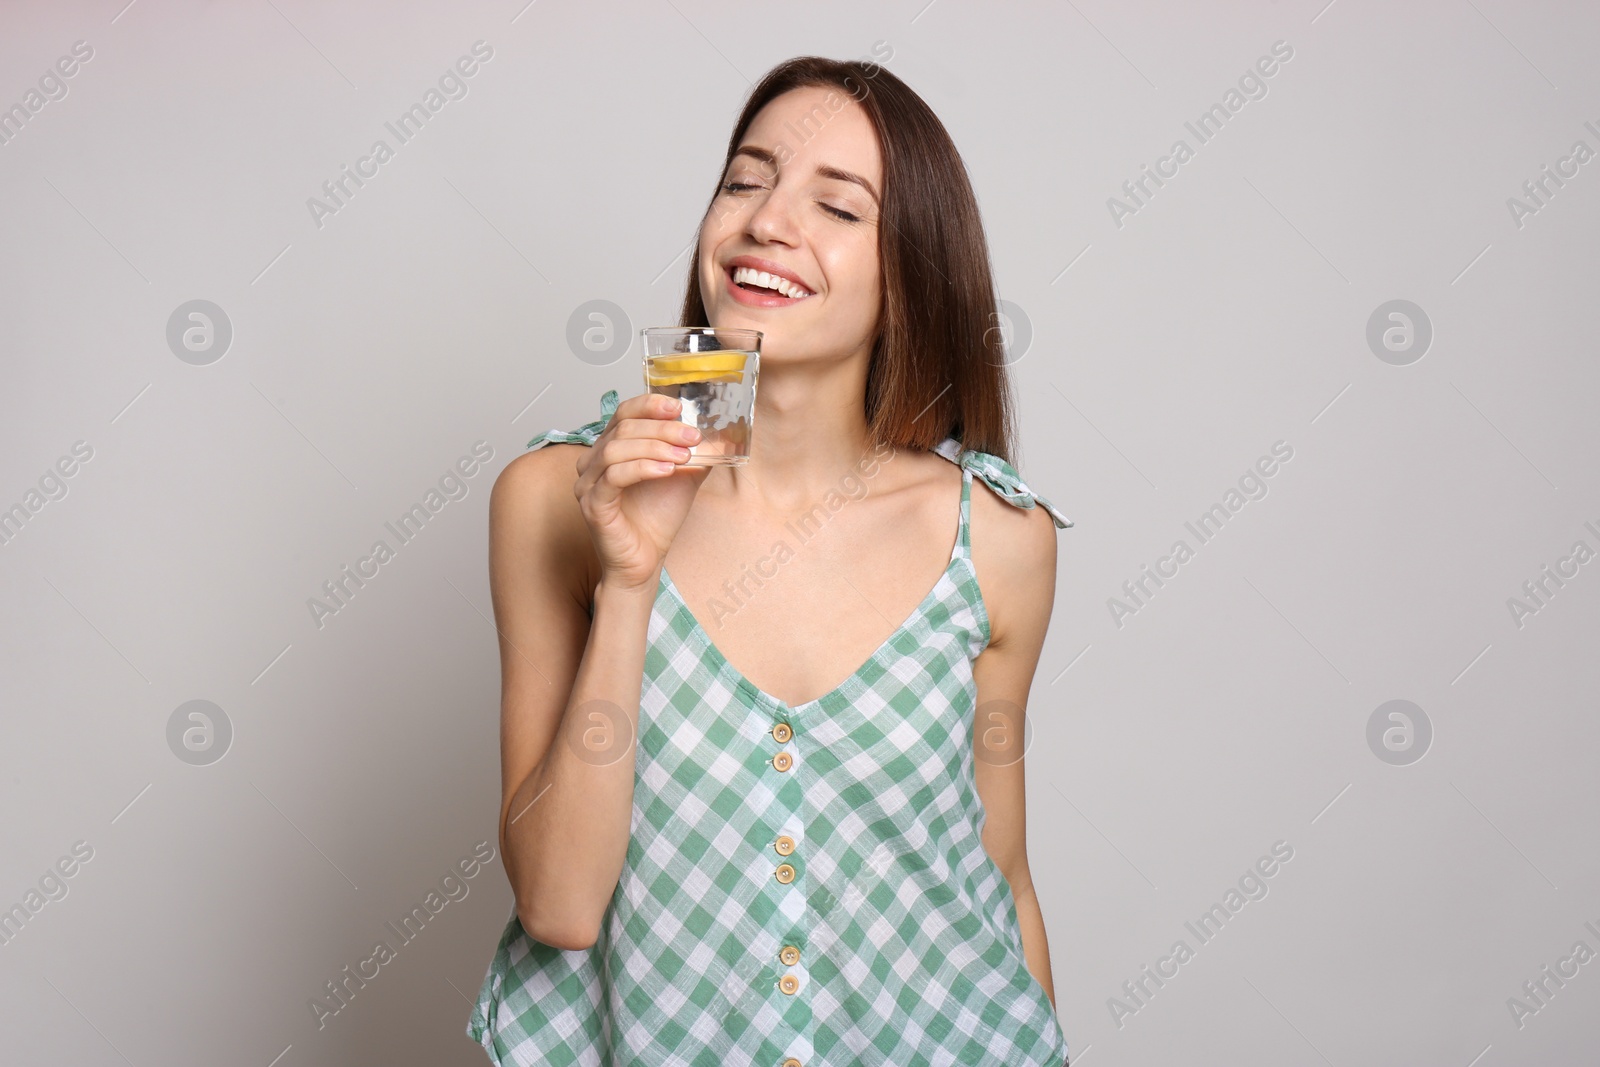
[(700, 361), (692, 376), (722, 366)]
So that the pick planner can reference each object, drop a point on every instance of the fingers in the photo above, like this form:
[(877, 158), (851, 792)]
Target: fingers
[(646, 406), (672, 430), (618, 462), (651, 415), (644, 418), (608, 486), (621, 450)]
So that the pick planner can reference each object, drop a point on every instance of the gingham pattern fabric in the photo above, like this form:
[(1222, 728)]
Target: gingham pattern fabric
[(865, 855)]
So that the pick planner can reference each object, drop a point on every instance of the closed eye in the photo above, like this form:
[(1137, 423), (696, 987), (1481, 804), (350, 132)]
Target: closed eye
[(733, 187)]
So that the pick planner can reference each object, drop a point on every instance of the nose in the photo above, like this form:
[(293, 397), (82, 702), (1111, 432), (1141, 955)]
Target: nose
[(772, 220)]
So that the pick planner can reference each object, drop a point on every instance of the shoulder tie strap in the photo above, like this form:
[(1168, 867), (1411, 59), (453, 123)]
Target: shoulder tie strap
[(1000, 476), (585, 434)]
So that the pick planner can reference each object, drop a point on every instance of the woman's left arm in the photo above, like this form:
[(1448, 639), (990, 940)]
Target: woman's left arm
[(1014, 554)]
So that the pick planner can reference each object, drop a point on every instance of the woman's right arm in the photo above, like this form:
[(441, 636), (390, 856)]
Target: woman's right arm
[(570, 687)]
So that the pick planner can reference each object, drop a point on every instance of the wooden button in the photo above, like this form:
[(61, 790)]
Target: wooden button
[(784, 844), (790, 955), (782, 732), (782, 761), (785, 873), (789, 983), (790, 1062)]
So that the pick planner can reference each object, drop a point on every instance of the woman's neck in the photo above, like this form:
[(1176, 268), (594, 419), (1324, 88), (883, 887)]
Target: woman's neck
[(809, 428)]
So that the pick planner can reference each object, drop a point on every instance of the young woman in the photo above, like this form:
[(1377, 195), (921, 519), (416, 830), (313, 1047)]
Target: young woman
[(747, 818)]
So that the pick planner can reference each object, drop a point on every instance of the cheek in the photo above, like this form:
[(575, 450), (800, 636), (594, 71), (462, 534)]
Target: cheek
[(865, 284), (708, 268), (872, 287), (724, 218), (709, 280)]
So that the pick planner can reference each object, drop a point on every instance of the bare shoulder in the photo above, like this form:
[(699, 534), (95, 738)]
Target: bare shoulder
[(555, 462), (531, 484), (533, 514), (1014, 554)]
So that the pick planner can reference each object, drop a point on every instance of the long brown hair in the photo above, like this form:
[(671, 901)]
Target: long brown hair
[(938, 363)]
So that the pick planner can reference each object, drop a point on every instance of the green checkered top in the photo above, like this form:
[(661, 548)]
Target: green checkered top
[(832, 908)]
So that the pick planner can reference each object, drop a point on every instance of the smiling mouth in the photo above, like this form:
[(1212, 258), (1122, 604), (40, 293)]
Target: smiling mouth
[(764, 284)]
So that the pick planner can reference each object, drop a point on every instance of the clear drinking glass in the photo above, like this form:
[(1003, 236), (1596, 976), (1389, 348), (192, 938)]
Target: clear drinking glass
[(713, 372)]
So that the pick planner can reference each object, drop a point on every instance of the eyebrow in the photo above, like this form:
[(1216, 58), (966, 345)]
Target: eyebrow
[(824, 170)]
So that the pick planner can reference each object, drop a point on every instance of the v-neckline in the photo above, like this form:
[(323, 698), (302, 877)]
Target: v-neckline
[(739, 676), (723, 663)]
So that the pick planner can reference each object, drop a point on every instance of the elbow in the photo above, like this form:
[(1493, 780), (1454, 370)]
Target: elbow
[(569, 935)]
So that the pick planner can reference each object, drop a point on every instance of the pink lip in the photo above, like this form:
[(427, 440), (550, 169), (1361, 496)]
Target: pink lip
[(757, 263), (759, 300)]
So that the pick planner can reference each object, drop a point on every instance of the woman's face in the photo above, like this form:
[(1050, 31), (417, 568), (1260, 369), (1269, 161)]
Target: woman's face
[(788, 203)]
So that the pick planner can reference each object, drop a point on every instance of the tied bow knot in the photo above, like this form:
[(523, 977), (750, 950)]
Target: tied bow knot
[(1001, 476)]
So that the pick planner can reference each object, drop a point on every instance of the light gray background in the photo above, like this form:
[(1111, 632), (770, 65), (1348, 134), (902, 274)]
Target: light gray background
[(1169, 753)]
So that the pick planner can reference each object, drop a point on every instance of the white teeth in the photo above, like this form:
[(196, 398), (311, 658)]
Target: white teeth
[(751, 276)]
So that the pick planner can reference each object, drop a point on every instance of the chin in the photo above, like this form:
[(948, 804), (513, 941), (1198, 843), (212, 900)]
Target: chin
[(733, 318)]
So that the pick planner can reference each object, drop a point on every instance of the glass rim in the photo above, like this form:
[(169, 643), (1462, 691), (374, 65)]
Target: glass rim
[(657, 331)]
